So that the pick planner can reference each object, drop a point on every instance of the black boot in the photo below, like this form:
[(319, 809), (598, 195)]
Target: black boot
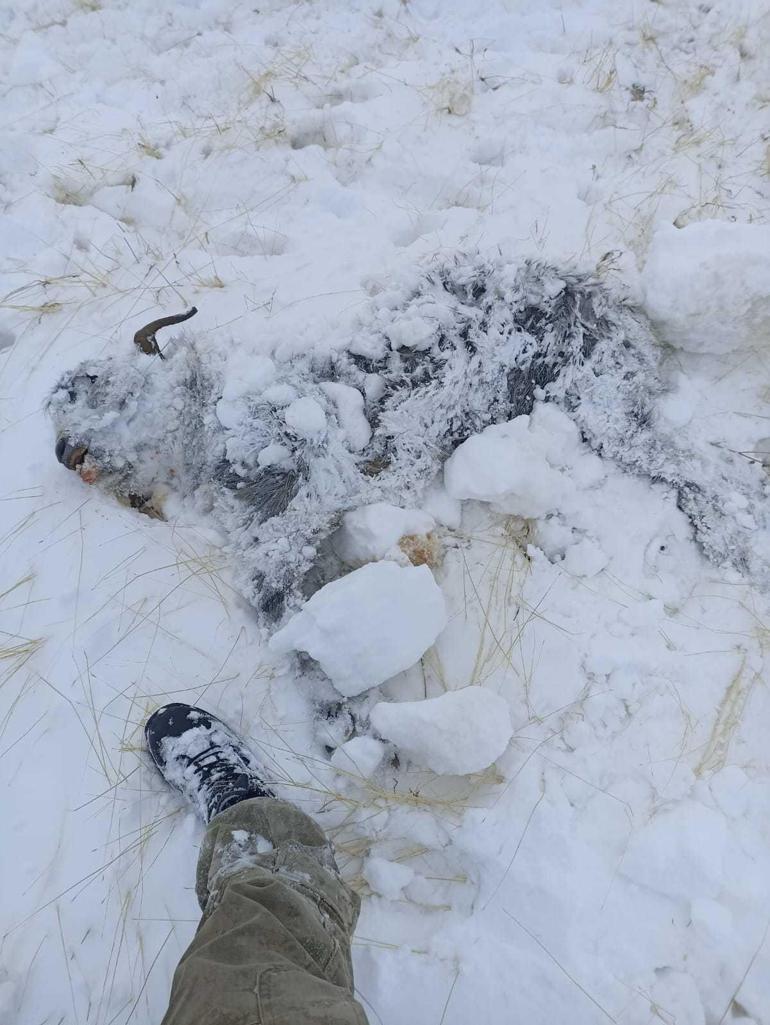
[(196, 753)]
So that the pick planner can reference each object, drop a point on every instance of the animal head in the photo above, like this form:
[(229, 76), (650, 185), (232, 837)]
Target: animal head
[(272, 458), (134, 422)]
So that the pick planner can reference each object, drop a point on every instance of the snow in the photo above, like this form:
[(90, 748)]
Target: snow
[(439, 504), (518, 466), (361, 756), (289, 172), (367, 626), (585, 558), (761, 451), (707, 285), (350, 411), (459, 732), (387, 878), (306, 418), (273, 454), (373, 531)]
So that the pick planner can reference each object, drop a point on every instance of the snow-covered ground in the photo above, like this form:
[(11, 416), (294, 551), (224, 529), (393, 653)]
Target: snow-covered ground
[(273, 164)]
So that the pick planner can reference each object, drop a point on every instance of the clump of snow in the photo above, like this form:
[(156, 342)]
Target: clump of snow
[(519, 465), (359, 756), (254, 841), (349, 403), (708, 285), (306, 418), (272, 454), (459, 732), (371, 532), (387, 878), (369, 625)]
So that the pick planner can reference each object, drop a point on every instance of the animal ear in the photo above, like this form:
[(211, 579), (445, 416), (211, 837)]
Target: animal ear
[(145, 340)]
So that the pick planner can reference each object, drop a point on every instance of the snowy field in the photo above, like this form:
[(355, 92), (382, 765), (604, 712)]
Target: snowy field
[(576, 825)]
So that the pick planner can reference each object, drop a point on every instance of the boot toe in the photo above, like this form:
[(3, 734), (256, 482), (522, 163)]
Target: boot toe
[(170, 721)]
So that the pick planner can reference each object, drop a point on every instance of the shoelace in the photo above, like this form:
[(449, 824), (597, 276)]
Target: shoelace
[(215, 756), (224, 778)]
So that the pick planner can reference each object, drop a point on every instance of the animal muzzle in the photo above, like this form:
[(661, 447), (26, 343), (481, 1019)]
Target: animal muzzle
[(74, 458), (70, 455), (77, 458)]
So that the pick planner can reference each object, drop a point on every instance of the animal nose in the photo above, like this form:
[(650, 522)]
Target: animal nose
[(70, 455)]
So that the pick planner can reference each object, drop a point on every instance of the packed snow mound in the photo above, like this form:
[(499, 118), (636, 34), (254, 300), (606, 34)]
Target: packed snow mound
[(707, 286), (518, 466), (459, 732), (369, 625), (372, 532)]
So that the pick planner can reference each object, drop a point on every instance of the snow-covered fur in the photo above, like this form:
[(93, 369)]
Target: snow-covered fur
[(467, 343)]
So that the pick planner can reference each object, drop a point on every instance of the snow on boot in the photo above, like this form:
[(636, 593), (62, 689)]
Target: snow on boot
[(203, 758)]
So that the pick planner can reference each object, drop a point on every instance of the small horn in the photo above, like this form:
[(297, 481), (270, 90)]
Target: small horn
[(144, 339)]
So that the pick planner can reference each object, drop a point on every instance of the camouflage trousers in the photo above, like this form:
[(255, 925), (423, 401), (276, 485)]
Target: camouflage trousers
[(273, 945)]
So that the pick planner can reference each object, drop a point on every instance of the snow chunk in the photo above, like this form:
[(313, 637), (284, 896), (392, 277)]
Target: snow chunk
[(708, 285), (272, 454), (360, 756), (411, 332), (350, 412), (516, 465), (251, 841), (387, 878), (369, 625), (370, 532), (460, 732), (306, 418)]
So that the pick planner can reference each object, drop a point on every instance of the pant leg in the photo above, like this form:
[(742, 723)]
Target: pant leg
[(273, 946)]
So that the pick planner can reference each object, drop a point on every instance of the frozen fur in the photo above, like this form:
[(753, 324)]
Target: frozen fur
[(466, 343)]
